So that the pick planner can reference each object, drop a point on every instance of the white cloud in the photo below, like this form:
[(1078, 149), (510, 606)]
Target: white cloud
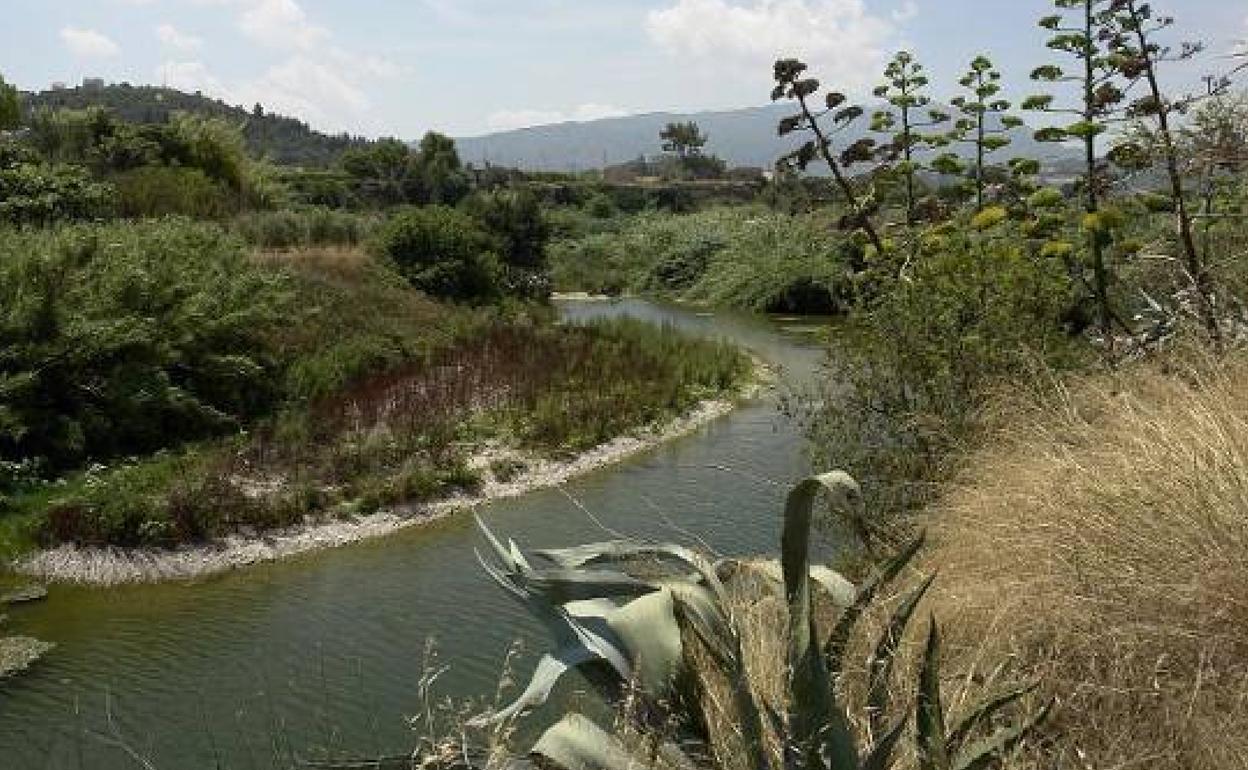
[(506, 120), (314, 80), (190, 76), (907, 12), (280, 24), (843, 42), (88, 43), (171, 37)]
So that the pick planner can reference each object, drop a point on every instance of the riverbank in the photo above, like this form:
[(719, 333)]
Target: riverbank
[(115, 566)]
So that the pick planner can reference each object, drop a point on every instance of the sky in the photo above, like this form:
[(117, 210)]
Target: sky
[(468, 67)]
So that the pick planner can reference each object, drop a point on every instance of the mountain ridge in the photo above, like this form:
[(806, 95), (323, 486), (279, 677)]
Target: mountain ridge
[(742, 137)]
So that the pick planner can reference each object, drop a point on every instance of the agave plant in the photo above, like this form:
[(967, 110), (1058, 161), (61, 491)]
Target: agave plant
[(624, 612)]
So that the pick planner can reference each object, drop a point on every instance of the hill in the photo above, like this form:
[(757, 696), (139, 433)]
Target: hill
[(282, 140), (745, 137)]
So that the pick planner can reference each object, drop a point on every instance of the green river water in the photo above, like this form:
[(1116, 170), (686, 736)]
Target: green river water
[(322, 655)]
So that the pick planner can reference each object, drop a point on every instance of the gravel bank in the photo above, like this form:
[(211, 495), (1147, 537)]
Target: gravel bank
[(114, 566)]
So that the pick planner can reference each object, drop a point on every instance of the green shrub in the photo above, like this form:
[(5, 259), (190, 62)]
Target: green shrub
[(157, 191), (122, 339), (43, 194), (742, 257), (517, 225), (443, 252), (908, 369)]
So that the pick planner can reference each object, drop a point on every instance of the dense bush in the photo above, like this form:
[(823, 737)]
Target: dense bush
[(515, 221), (740, 257), (908, 369), (156, 191), (43, 194), (123, 339), (443, 252), (304, 227)]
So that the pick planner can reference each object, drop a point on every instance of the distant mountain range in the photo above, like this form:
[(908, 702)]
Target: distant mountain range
[(745, 137)]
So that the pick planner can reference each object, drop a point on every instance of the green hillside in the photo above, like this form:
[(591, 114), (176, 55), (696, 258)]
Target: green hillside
[(282, 140)]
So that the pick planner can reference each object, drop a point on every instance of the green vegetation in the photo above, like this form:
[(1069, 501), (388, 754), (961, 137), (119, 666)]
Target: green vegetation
[(741, 257), (354, 391), (282, 140)]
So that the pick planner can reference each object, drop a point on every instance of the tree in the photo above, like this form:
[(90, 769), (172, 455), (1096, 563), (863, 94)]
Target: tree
[(984, 125), (790, 84), (10, 108), (905, 81), (384, 171), (443, 252), (1140, 56), (442, 177), (520, 233), (684, 139), (1099, 100)]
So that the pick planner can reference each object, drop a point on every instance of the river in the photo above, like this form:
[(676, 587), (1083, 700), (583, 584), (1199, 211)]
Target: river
[(322, 655)]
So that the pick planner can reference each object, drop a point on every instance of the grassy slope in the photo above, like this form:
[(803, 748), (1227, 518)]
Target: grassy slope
[(1097, 544)]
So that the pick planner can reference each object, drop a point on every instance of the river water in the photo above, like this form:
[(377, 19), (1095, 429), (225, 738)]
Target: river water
[(322, 656)]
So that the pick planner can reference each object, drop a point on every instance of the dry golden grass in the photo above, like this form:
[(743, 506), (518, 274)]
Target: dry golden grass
[(1099, 544)]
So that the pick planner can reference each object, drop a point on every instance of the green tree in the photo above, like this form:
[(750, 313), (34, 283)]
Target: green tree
[(520, 233), (1086, 36), (790, 84), (442, 177), (684, 139), (1140, 56), (443, 252), (985, 124), (10, 108), (905, 81), (384, 171)]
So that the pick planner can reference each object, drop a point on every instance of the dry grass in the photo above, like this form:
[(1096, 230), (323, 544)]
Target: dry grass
[(1099, 544)]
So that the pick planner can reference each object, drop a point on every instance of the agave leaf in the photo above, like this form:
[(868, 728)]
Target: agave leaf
[(838, 588), (649, 632), (987, 751), (549, 669), (818, 723), (560, 586), (880, 666), (620, 550), (834, 649), (576, 743), (981, 713), (881, 755), (929, 718)]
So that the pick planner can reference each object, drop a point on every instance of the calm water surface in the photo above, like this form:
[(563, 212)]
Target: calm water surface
[(321, 655)]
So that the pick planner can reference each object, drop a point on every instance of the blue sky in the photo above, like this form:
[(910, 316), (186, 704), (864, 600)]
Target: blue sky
[(400, 67)]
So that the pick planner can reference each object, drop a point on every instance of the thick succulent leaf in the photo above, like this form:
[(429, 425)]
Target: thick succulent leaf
[(880, 667), (559, 586), (818, 723), (834, 649), (982, 713), (988, 751), (839, 589), (650, 635), (622, 550), (698, 607), (547, 674), (929, 718), (576, 743), (881, 755)]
